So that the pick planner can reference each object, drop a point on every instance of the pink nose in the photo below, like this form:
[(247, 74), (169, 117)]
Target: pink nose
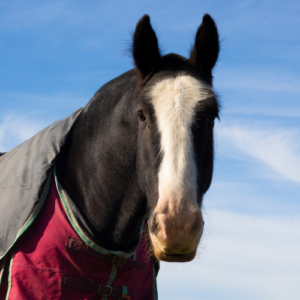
[(176, 233)]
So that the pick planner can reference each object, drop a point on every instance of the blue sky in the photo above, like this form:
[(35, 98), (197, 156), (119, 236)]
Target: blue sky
[(54, 55)]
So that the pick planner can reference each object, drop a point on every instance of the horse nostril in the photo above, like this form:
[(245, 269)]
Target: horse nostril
[(154, 224)]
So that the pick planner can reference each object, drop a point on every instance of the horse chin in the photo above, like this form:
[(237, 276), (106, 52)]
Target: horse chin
[(175, 257), (173, 254)]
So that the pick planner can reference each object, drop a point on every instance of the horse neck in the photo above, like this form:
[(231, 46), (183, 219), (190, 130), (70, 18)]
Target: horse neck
[(97, 166)]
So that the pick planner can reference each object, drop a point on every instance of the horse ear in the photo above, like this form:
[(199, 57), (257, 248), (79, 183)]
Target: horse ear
[(146, 53), (206, 49)]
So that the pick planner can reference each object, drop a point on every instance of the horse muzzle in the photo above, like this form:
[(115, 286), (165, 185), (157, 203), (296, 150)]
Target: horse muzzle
[(175, 238)]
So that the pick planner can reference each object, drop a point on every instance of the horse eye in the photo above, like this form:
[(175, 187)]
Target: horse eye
[(141, 116)]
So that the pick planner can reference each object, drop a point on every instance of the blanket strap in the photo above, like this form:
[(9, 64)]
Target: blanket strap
[(84, 285), (79, 246)]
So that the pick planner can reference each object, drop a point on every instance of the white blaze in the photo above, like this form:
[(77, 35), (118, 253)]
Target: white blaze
[(174, 101)]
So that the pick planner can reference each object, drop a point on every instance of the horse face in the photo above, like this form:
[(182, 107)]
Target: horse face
[(176, 108)]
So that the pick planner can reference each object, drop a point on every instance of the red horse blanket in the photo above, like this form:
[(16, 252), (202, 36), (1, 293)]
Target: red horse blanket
[(55, 260)]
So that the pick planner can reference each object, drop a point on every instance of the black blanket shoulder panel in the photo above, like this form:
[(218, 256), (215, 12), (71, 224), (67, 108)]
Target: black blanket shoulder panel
[(23, 176)]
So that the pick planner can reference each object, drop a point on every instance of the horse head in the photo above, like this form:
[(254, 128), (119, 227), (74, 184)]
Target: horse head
[(176, 108), (142, 149)]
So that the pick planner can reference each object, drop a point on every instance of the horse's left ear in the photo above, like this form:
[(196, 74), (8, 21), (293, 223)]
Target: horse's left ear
[(145, 47), (206, 49)]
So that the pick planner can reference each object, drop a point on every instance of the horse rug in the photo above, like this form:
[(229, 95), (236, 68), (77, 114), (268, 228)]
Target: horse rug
[(48, 251)]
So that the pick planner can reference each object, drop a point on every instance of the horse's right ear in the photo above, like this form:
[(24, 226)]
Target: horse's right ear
[(206, 49), (146, 53)]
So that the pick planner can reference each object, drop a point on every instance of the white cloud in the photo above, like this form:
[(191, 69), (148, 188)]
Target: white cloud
[(241, 257), (277, 148), (15, 129)]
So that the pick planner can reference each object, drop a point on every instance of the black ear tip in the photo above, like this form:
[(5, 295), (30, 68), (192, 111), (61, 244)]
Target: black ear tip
[(145, 20), (145, 47), (208, 20), (206, 48)]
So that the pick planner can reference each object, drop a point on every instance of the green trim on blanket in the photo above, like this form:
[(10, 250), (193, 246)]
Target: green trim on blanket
[(33, 215), (9, 275), (112, 277), (2, 270), (80, 232), (87, 240), (124, 292)]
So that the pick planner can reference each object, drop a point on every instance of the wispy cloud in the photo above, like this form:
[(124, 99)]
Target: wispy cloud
[(241, 257), (27, 104), (276, 148), (15, 129)]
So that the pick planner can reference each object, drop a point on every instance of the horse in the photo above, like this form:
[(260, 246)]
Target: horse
[(138, 158)]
